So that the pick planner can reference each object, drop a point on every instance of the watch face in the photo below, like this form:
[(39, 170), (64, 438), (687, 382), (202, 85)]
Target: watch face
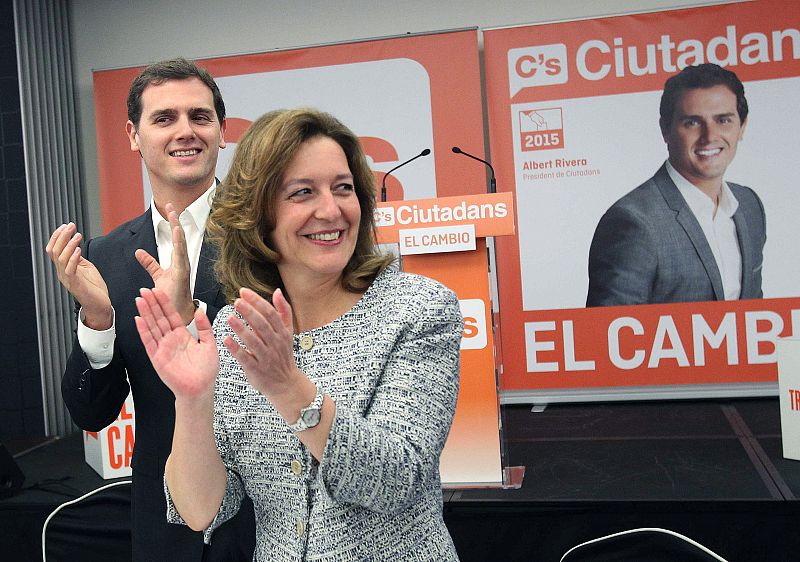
[(311, 417)]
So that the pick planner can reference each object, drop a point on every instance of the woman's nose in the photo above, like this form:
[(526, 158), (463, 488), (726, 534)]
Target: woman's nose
[(328, 207)]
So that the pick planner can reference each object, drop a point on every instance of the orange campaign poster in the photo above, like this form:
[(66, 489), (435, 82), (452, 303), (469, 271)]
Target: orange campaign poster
[(400, 95), (574, 127)]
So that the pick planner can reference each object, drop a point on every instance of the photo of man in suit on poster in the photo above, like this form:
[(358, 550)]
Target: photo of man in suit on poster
[(685, 234)]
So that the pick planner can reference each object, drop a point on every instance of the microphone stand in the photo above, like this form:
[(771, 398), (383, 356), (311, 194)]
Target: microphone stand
[(492, 181), (383, 182)]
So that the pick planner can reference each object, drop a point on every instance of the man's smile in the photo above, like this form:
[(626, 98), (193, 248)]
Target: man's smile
[(185, 152)]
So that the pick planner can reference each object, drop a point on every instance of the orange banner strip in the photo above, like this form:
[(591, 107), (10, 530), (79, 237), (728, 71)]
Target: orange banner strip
[(491, 213)]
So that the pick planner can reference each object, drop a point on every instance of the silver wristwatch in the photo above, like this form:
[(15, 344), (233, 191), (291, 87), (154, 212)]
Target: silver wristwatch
[(310, 415)]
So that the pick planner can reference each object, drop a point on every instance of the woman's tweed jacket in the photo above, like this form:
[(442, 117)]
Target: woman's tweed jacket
[(391, 365)]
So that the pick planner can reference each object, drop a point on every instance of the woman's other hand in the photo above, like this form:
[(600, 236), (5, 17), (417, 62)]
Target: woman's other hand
[(268, 361), (266, 334)]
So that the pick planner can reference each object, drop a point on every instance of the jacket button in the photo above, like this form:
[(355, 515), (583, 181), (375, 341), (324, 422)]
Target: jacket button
[(306, 342), (301, 527), (297, 467)]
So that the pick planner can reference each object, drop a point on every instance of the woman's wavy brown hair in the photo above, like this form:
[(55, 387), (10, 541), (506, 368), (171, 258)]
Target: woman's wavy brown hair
[(243, 213)]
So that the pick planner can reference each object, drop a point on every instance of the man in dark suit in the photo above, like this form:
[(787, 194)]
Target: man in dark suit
[(685, 234), (176, 122)]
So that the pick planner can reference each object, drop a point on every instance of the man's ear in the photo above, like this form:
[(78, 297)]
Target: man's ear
[(222, 128), (133, 136), (741, 131)]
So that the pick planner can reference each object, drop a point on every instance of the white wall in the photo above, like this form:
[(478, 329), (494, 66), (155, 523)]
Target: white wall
[(120, 33)]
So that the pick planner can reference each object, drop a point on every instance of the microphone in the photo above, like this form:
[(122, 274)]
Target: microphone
[(383, 183), (492, 182)]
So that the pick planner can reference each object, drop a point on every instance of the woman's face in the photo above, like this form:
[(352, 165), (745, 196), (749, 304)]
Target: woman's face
[(317, 214)]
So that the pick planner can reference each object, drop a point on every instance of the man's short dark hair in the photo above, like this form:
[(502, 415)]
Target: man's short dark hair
[(705, 75), (174, 69)]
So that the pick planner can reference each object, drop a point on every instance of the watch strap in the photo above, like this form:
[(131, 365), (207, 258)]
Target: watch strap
[(316, 404)]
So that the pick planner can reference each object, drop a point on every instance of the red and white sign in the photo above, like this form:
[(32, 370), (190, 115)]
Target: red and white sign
[(490, 215), (789, 393), (437, 239), (573, 115), (475, 328), (109, 450)]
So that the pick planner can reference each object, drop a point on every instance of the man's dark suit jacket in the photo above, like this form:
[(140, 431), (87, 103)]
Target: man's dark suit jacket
[(649, 248), (95, 397)]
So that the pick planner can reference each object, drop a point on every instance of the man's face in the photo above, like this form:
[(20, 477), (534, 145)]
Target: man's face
[(179, 135), (703, 135)]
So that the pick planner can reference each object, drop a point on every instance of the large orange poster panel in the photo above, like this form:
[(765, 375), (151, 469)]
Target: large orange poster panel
[(400, 96), (573, 115)]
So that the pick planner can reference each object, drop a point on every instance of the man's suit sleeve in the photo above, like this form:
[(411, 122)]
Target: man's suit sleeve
[(622, 260), (94, 398)]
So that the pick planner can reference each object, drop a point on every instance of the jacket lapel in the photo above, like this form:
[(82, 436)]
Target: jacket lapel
[(206, 287), (687, 220), (142, 236)]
